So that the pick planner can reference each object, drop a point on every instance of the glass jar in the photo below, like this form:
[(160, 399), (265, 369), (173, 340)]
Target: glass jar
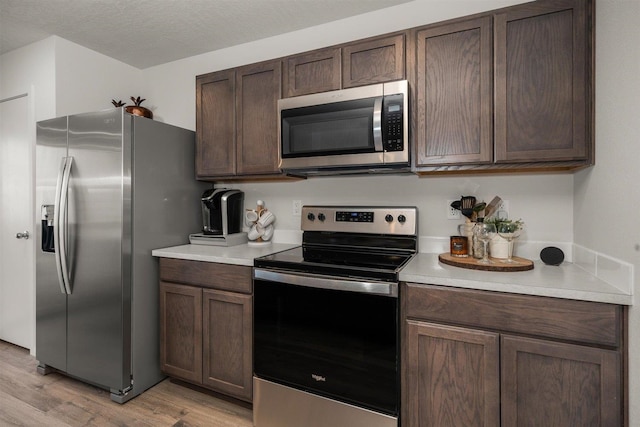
[(477, 246)]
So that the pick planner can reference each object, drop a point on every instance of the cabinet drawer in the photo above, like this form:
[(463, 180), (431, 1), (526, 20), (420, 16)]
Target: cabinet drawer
[(235, 278), (580, 321)]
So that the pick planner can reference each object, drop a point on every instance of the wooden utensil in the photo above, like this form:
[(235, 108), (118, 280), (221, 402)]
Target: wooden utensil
[(492, 207)]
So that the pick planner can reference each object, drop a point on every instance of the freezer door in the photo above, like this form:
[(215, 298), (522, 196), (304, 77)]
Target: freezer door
[(51, 301), (99, 238)]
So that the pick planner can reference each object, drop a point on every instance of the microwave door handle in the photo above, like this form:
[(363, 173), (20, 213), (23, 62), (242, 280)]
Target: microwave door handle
[(377, 124)]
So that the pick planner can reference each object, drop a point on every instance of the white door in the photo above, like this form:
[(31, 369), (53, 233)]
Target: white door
[(16, 254)]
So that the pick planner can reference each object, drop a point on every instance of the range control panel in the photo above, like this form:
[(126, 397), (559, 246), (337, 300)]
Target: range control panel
[(398, 220), (349, 216)]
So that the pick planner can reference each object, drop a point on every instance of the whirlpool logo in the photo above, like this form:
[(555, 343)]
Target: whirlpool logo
[(319, 378)]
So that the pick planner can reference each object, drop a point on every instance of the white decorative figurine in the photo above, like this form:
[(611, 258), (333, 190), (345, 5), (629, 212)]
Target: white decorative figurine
[(260, 222)]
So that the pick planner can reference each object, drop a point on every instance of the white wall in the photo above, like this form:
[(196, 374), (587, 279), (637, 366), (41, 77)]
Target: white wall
[(607, 196), (66, 78), (87, 80), (544, 202), (31, 69)]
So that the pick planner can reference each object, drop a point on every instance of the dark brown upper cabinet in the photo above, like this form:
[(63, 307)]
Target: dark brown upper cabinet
[(454, 105), (508, 90), (317, 71), (258, 91), (373, 61), (369, 61), (236, 122), (542, 78), (216, 124)]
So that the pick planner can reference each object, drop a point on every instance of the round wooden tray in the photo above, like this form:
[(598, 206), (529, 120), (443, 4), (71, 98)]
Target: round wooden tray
[(519, 264)]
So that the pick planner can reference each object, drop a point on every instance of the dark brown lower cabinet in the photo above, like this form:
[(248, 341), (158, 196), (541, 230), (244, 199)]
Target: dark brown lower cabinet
[(467, 362), (206, 330), (453, 376), (227, 332), (181, 331), (558, 384)]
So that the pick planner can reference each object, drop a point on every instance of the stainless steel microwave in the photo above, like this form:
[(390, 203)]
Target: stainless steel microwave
[(356, 130)]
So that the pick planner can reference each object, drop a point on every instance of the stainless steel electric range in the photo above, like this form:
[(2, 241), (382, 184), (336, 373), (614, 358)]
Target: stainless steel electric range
[(326, 322)]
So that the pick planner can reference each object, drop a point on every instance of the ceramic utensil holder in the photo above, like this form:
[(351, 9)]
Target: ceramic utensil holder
[(498, 247)]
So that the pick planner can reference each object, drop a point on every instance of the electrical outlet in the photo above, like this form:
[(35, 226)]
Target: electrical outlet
[(452, 213), (296, 208)]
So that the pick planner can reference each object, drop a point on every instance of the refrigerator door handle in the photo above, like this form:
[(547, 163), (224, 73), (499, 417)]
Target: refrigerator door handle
[(60, 224), (63, 226), (56, 224)]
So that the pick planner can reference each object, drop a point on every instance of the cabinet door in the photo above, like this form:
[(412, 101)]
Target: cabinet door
[(548, 383), (228, 335), (258, 90), (181, 331), (313, 72), (455, 93), (215, 124), (541, 80), (451, 377), (373, 61)]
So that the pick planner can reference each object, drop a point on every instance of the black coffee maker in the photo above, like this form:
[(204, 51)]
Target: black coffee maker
[(222, 211)]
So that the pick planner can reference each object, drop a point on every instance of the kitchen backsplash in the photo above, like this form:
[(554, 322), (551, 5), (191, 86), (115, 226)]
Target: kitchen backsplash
[(613, 271), (543, 202)]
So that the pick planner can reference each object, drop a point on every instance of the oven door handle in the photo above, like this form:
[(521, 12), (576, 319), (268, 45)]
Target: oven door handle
[(326, 282)]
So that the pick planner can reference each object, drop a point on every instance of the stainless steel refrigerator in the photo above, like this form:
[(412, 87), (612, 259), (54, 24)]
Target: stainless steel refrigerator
[(110, 187)]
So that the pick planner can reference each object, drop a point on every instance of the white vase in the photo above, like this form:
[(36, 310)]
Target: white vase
[(498, 247)]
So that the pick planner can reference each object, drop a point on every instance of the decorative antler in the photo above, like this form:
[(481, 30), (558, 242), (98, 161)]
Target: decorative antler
[(137, 101)]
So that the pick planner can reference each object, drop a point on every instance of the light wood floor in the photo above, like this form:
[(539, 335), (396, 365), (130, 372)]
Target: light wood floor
[(30, 399)]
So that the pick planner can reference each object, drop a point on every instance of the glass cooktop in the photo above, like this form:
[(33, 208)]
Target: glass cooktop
[(342, 262)]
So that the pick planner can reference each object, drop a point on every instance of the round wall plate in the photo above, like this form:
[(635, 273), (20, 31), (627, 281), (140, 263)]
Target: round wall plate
[(552, 255)]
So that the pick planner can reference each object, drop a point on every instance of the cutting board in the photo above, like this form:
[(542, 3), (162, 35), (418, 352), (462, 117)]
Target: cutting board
[(520, 264)]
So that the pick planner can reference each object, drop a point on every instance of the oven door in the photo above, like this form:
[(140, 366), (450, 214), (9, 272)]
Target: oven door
[(340, 344)]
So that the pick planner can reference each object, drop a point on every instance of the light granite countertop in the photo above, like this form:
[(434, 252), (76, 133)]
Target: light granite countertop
[(565, 281), (240, 254)]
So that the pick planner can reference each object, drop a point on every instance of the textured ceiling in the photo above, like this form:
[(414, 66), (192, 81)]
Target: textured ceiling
[(144, 33)]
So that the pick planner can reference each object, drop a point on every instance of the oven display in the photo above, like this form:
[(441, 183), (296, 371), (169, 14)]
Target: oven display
[(342, 216)]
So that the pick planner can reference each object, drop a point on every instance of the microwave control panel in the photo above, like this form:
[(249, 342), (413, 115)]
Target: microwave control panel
[(393, 128)]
